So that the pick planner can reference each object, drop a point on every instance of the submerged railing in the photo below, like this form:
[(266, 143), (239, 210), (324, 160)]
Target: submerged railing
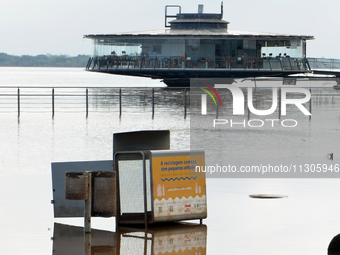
[(92, 99), (181, 62), (156, 100)]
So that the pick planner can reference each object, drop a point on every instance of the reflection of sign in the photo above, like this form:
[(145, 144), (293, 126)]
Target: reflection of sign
[(182, 241), (179, 191), (69, 240)]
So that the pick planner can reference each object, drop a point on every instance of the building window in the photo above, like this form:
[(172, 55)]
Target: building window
[(157, 49)]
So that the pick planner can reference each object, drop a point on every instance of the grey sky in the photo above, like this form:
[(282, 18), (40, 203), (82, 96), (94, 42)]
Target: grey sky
[(44, 26)]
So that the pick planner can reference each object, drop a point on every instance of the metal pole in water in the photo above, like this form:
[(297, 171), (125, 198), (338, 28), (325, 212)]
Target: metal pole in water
[(145, 193), (279, 103), (248, 111), (185, 103), (310, 104), (87, 102), (153, 103), (87, 215), (88, 204), (52, 102), (18, 102), (146, 242), (87, 238), (216, 110), (120, 102)]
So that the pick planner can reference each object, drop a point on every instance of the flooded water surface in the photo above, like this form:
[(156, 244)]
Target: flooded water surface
[(303, 222)]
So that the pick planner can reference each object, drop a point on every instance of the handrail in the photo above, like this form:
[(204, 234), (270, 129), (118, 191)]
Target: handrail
[(86, 99), (181, 62), (62, 98), (226, 62)]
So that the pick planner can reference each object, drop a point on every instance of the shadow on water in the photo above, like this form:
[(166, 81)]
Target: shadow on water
[(172, 239)]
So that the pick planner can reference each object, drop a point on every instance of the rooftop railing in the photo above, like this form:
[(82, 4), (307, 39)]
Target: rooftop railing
[(324, 64)]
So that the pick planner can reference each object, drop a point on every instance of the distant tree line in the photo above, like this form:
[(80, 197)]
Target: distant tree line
[(43, 60)]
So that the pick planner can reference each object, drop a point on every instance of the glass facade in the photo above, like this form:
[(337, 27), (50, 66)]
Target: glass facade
[(150, 52), (197, 49)]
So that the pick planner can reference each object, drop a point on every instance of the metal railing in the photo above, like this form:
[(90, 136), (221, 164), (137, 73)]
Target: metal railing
[(121, 100), (324, 64), (92, 99), (177, 62)]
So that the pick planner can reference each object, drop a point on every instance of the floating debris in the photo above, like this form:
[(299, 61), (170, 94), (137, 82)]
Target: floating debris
[(267, 196), (330, 156)]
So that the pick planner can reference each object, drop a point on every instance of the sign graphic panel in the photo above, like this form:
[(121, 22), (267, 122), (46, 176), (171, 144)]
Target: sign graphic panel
[(178, 191)]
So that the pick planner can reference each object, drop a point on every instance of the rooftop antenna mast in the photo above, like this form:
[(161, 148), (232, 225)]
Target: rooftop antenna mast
[(222, 9)]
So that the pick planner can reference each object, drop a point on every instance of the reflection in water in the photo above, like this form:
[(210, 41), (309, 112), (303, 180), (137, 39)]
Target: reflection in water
[(189, 239), (69, 240), (138, 99), (142, 98)]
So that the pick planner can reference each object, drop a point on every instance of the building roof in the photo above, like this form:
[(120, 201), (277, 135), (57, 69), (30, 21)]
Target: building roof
[(203, 33)]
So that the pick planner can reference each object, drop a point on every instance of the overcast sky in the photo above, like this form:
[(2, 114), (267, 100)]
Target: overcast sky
[(57, 26)]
